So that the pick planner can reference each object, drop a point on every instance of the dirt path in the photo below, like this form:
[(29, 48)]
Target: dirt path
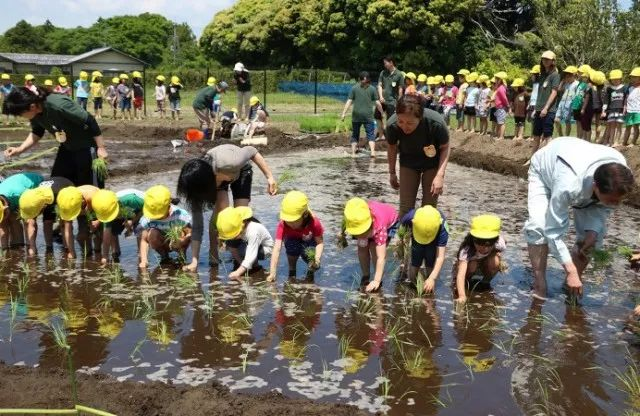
[(22, 387)]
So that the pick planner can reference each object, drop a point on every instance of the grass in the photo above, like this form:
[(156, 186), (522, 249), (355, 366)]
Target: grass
[(629, 381), (173, 235), (13, 313), (625, 251), (184, 280), (602, 258)]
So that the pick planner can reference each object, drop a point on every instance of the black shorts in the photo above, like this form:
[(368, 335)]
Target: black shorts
[(577, 116), (519, 120), (75, 165), (492, 115), (377, 114), (97, 103), (56, 183), (241, 187), (389, 109), (543, 126), (470, 111)]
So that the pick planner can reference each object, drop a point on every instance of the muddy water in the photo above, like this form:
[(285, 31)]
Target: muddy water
[(393, 352)]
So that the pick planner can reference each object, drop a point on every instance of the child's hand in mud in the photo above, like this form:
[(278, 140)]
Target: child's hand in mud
[(373, 286), (143, 265), (192, 267), (461, 300), (636, 311), (429, 285), (314, 265), (104, 261), (271, 277), (635, 259)]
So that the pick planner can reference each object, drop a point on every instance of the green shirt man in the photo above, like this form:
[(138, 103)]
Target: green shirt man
[(390, 85)]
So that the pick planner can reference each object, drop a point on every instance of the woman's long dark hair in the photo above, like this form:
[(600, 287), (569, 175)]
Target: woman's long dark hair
[(20, 99), (197, 184)]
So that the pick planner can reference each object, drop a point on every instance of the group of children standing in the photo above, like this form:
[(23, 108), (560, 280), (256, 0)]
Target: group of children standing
[(160, 224)]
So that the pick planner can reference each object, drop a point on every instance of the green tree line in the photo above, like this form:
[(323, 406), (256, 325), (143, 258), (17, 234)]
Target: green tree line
[(427, 35)]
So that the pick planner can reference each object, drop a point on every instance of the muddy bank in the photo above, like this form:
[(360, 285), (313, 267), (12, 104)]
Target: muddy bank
[(22, 387)]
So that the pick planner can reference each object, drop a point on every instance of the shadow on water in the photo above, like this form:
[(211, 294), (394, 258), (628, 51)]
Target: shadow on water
[(391, 352)]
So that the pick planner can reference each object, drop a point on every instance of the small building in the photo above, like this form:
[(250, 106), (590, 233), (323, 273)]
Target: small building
[(108, 60)]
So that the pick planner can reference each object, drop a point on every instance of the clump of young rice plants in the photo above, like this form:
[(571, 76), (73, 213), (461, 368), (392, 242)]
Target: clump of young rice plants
[(100, 168), (287, 176), (60, 337)]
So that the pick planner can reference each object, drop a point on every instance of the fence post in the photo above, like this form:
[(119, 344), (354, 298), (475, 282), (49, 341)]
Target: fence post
[(315, 92), (144, 88), (264, 85)]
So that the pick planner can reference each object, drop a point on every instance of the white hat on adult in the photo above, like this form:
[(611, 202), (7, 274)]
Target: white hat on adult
[(239, 67)]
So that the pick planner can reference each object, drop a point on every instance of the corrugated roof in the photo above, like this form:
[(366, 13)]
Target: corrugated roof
[(58, 60), (37, 58)]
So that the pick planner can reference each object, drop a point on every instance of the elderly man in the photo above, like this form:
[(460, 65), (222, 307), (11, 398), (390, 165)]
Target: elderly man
[(571, 174)]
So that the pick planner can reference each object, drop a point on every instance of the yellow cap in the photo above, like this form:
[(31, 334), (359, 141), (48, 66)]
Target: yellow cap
[(124, 76), (438, 79), (448, 78), (518, 82), (29, 77), (136, 74), (410, 75), (294, 205), (571, 69), (426, 223), (502, 75), (584, 69), (161, 78), (472, 77), (211, 81), (62, 81), (357, 216), (2, 208), (69, 202), (422, 78), (83, 75), (234, 110), (485, 226), (231, 221), (48, 83), (549, 55), (598, 77), (615, 74), (175, 80), (157, 200), (463, 72), (95, 74), (431, 81), (635, 72), (105, 205), (535, 69), (6, 76), (483, 78), (254, 100), (32, 201)]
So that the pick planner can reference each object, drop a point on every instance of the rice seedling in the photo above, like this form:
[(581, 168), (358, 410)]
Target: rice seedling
[(394, 332), (344, 344), (100, 168), (245, 358), (626, 252), (420, 284), (184, 280), (628, 381), (244, 320), (402, 242), (310, 254), (602, 259), (341, 241), (13, 313), (287, 176), (426, 336), (366, 305), (136, 350), (60, 337), (114, 275), (299, 330), (209, 304), (173, 235), (414, 363)]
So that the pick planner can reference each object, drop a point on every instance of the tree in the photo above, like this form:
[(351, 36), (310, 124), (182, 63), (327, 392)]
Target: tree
[(23, 37)]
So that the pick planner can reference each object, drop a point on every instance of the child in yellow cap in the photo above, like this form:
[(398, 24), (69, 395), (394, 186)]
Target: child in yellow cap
[(75, 203), (97, 93), (117, 211), (41, 200), (160, 219), (11, 189), (82, 89), (258, 117), (480, 252), (373, 224), (301, 232), (614, 99), (248, 240), (173, 94), (429, 236), (632, 108)]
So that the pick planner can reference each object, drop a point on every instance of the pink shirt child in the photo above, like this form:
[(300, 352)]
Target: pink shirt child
[(308, 233), (384, 216), (450, 94), (501, 100)]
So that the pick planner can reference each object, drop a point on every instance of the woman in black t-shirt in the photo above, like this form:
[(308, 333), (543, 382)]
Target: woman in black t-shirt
[(421, 138)]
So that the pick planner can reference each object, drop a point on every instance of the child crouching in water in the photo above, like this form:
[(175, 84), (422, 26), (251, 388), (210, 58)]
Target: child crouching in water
[(429, 237), (302, 234), (244, 233), (117, 212), (164, 226), (480, 252), (373, 224)]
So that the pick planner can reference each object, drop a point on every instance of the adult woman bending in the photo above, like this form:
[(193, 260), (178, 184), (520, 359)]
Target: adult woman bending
[(206, 182), (421, 138)]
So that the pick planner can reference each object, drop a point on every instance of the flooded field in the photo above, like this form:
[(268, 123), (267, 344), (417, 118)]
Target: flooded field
[(392, 352)]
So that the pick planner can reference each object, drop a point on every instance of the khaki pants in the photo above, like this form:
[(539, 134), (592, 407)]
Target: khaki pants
[(410, 180), (204, 117), (243, 104)]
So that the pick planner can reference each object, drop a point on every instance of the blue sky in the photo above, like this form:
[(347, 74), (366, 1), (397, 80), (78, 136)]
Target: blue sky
[(72, 13)]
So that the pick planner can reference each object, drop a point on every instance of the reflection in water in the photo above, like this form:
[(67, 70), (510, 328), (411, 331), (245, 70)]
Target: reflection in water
[(394, 352)]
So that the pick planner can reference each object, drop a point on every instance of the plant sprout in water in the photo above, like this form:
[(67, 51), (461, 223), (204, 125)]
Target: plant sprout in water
[(285, 177)]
